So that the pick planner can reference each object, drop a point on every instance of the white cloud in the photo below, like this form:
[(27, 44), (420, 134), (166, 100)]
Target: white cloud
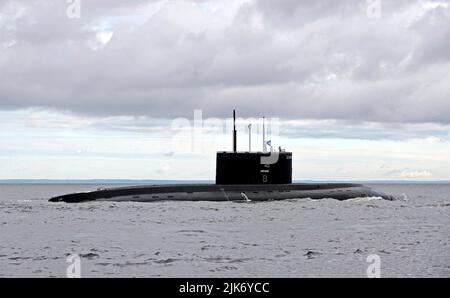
[(416, 174)]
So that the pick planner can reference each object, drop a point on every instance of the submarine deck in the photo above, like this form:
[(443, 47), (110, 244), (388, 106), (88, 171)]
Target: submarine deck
[(214, 192)]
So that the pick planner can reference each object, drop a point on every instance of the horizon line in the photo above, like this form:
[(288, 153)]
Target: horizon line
[(121, 181)]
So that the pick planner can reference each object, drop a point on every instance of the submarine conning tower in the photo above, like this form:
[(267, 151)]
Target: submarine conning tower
[(274, 167)]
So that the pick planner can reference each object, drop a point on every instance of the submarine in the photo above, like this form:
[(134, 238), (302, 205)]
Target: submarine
[(240, 176)]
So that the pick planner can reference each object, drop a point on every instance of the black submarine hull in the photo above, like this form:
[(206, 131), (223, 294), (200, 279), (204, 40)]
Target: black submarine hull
[(217, 193)]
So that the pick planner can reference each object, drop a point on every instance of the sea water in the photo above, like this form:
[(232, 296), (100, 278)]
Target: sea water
[(294, 238)]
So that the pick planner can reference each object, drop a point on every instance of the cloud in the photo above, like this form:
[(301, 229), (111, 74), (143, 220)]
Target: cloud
[(416, 174), (428, 132), (163, 169), (289, 59)]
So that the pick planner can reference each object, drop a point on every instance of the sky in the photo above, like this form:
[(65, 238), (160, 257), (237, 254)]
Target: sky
[(96, 89)]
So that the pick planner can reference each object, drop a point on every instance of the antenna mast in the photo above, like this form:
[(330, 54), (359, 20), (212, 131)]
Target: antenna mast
[(250, 137), (264, 135), (234, 132)]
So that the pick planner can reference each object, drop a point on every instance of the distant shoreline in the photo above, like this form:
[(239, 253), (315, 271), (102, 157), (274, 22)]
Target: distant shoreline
[(98, 181), (133, 181)]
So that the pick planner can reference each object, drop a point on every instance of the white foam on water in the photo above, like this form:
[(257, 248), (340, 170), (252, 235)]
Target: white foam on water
[(24, 201), (364, 199), (403, 198)]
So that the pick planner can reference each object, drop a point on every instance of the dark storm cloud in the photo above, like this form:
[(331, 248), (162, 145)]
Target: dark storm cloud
[(289, 59)]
